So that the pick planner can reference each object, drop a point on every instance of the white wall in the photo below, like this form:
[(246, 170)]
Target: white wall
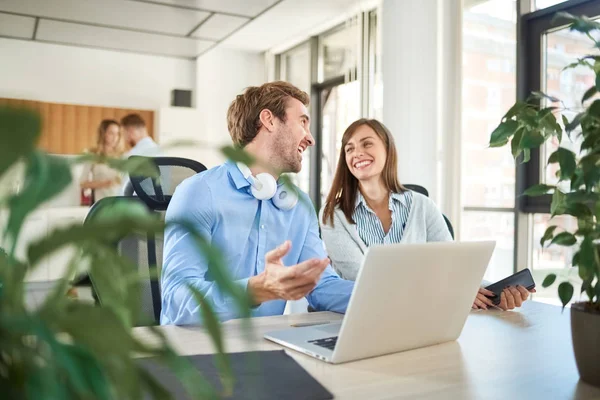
[(422, 92), (222, 74), (63, 74)]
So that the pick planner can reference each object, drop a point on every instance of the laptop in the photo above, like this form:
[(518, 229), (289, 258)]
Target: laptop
[(406, 296)]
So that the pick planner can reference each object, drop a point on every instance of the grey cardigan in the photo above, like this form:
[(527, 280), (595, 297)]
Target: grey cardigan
[(346, 249)]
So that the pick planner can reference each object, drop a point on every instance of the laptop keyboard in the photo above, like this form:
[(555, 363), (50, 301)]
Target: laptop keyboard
[(328, 343)]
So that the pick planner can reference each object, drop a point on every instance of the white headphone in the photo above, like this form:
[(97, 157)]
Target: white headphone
[(264, 187)]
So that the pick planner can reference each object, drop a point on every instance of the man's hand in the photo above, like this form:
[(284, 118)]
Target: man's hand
[(510, 298), (288, 283)]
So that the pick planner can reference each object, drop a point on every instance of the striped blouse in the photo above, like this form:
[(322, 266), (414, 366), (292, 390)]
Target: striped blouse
[(369, 226)]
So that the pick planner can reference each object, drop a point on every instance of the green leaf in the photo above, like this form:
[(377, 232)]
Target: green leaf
[(526, 155), (45, 177), (538, 190), (575, 259), (564, 239), (571, 126), (566, 159), (548, 235), (19, 133), (577, 210), (581, 24), (210, 321), (581, 196), (558, 203), (515, 110), (565, 292), (587, 258), (589, 142), (531, 139), (590, 173), (238, 154), (549, 280), (99, 231), (516, 141), (542, 95), (590, 92)]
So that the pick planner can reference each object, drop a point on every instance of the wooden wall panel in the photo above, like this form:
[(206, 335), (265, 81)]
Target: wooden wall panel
[(69, 128)]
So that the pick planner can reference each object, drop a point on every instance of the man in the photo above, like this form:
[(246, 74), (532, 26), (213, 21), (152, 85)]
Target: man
[(274, 254), (137, 137)]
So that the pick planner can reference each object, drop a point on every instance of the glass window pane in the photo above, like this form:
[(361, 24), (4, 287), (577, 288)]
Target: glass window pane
[(339, 50), (498, 226), (553, 259), (375, 80), (295, 68), (341, 107), (539, 4), (561, 49), (489, 89)]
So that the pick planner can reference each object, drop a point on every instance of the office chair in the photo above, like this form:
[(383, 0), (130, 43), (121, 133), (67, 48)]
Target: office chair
[(425, 192), (146, 250)]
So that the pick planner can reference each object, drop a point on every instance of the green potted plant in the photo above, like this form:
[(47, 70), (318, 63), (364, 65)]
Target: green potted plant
[(527, 125), (70, 349)]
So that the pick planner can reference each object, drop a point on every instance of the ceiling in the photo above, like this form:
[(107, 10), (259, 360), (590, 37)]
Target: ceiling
[(174, 28)]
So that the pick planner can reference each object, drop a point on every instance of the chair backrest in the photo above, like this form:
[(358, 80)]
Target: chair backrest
[(147, 251), (157, 193), (425, 192), (143, 250)]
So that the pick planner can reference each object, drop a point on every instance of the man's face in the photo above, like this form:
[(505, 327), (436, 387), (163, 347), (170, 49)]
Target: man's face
[(130, 135), (292, 137)]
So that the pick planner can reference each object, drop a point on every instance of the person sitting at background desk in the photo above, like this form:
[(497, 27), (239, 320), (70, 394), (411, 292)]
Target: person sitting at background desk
[(99, 178), (137, 137), (367, 206), (227, 206)]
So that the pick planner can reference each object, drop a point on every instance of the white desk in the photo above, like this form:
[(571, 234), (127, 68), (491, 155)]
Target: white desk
[(525, 354)]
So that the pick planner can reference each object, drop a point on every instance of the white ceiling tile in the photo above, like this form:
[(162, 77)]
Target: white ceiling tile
[(292, 19), (16, 26), (110, 38), (249, 8), (218, 26), (116, 13)]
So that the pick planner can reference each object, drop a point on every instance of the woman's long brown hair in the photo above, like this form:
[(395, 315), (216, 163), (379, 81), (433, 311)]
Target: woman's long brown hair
[(345, 186), (101, 138)]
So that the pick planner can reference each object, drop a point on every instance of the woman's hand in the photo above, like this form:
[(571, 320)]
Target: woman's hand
[(510, 298)]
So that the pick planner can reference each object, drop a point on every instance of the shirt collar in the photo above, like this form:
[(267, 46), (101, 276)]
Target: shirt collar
[(236, 175), (400, 197)]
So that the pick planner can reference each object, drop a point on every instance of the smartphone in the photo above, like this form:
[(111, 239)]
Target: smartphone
[(522, 278)]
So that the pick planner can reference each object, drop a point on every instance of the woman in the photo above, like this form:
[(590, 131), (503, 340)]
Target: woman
[(368, 206), (100, 178)]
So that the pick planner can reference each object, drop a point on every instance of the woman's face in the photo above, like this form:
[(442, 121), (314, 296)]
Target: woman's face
[(111, 137), (365, 154)]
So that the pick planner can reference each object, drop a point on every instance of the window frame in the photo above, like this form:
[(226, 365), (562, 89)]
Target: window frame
[(531, 28)]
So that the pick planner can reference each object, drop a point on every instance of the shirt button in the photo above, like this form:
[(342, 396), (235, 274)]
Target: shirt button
[(262, 226)]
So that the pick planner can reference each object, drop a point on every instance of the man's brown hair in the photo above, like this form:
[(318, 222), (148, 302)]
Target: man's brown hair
[(133, 120), (243, 115)]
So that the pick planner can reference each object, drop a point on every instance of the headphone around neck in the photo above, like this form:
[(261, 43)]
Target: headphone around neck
[(264, 187)]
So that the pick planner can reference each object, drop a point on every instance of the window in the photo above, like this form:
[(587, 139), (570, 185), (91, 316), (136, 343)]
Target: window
[(548, 48), (539, 4), (295, 67), (339, 50), (489, 89), (347, 85), (374, 70)]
